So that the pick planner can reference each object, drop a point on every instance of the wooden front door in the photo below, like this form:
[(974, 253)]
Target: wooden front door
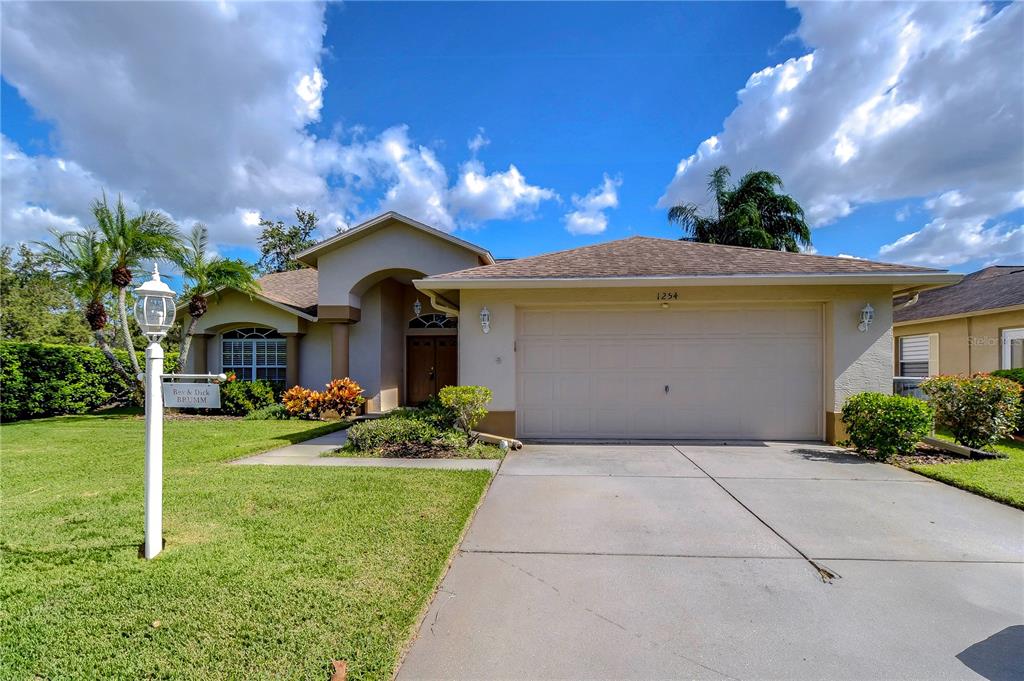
[(432, 362)]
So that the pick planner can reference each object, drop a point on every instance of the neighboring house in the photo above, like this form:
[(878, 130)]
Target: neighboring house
[(637, 338), (976, 325)]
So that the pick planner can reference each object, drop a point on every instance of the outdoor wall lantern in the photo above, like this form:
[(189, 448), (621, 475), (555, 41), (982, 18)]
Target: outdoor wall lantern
[(867, 315), (154, 311), (417, 307), (485, 319)]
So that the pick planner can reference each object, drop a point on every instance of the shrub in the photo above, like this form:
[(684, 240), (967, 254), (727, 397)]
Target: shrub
[(274, 412), (396, 436), (1017, 376), (978, 409), (42, 379), (468, 404), (239, 398), (887, 424), (342, 395)]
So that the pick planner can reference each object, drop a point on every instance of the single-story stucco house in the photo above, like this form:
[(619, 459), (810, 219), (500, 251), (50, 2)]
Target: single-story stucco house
[(632, 339), (975, 325)]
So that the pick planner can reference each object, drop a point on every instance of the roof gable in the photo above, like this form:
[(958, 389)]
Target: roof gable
[(992, 288), (364, 229), (640, 257)]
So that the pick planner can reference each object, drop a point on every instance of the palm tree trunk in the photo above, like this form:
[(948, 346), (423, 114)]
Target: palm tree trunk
[(126, 330), (101, 341), (186, 343)]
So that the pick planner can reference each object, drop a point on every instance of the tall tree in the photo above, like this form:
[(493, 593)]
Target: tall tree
[(750, 213), (131, 239), (37, 305), (83, 261), (205, 275), (279, 243)]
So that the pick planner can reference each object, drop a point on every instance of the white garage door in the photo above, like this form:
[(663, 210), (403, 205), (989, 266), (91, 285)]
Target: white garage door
[(678, 373)]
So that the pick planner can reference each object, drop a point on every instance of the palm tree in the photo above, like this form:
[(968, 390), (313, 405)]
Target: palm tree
[(750, 213), (130, 240), (205, 274), (82, 260)]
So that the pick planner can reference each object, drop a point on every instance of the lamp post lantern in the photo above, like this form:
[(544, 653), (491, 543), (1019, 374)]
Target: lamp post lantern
[(154, 311)]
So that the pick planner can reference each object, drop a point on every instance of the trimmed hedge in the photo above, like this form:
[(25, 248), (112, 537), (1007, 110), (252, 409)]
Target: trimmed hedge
[(886, 424), (41, 379)]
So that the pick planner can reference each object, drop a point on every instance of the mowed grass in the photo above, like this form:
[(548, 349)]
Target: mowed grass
[(268, 572), (999, 479)]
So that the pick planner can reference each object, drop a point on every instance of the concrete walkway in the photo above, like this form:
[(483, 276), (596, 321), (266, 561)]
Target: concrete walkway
[(310, 453), (700, 561)]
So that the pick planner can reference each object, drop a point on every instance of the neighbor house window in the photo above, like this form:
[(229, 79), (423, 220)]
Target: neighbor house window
[(1012, 349), (914, 353), (255, 354)]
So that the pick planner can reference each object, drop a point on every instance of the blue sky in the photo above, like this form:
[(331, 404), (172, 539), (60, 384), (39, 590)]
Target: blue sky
[(582, 114)]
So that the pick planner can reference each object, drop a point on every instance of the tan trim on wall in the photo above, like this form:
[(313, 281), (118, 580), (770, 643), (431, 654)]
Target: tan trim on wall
[(835, 429), (501, 423), (338, 313)]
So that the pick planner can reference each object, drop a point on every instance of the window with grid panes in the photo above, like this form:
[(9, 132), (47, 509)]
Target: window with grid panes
[(255, 354)]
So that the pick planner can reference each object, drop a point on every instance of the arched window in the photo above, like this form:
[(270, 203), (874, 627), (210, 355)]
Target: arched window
[(434, 320), (254, 353)]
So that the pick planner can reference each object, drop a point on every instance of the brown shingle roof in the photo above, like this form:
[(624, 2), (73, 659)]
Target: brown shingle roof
[(642, 256), (987, 289), (296, 288)]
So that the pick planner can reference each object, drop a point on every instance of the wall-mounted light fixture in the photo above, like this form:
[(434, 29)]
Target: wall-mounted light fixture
[(485, 319), (417, 307), (867, 315)]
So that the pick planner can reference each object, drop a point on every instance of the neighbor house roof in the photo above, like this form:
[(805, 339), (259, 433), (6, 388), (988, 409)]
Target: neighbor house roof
[(310, 255), (295, 288), (989, 289), (648, 257)]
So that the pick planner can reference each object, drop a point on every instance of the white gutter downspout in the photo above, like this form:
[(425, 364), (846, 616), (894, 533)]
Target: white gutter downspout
[(447, 306)]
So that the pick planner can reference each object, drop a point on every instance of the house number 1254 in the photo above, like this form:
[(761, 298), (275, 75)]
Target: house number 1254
[(668, 295)]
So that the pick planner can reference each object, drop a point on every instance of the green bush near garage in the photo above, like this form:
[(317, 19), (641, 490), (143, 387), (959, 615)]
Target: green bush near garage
[(43, 379), (1017, 376), (886, 425)]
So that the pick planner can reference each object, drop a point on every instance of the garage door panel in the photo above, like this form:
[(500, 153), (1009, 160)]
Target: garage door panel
[(731, 373), (535, 323)]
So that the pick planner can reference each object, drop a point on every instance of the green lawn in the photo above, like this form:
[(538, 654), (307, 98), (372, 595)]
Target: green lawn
[(999, 479), (269, 572)]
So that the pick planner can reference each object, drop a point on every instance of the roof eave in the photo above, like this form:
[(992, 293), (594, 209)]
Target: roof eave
[(960, 315), (258, 296), (936, 278), (310, 255)]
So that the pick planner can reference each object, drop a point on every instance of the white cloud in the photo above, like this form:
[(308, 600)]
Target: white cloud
[(478, 141), (893, 101), (496, 196), (200, 110), (589, 216)]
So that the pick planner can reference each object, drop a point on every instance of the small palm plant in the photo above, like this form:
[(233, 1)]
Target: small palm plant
[(205, 274), (750, 213), (83, 261), (131, 239)]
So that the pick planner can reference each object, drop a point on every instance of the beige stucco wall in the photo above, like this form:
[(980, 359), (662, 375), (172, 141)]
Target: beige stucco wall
[(855, 361), (393, 247), (966, 344)]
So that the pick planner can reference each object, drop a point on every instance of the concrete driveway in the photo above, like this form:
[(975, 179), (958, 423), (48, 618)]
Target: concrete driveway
[(747, 561)]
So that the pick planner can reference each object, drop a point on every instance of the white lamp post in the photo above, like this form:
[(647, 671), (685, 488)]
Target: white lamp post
[(154, 311)]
